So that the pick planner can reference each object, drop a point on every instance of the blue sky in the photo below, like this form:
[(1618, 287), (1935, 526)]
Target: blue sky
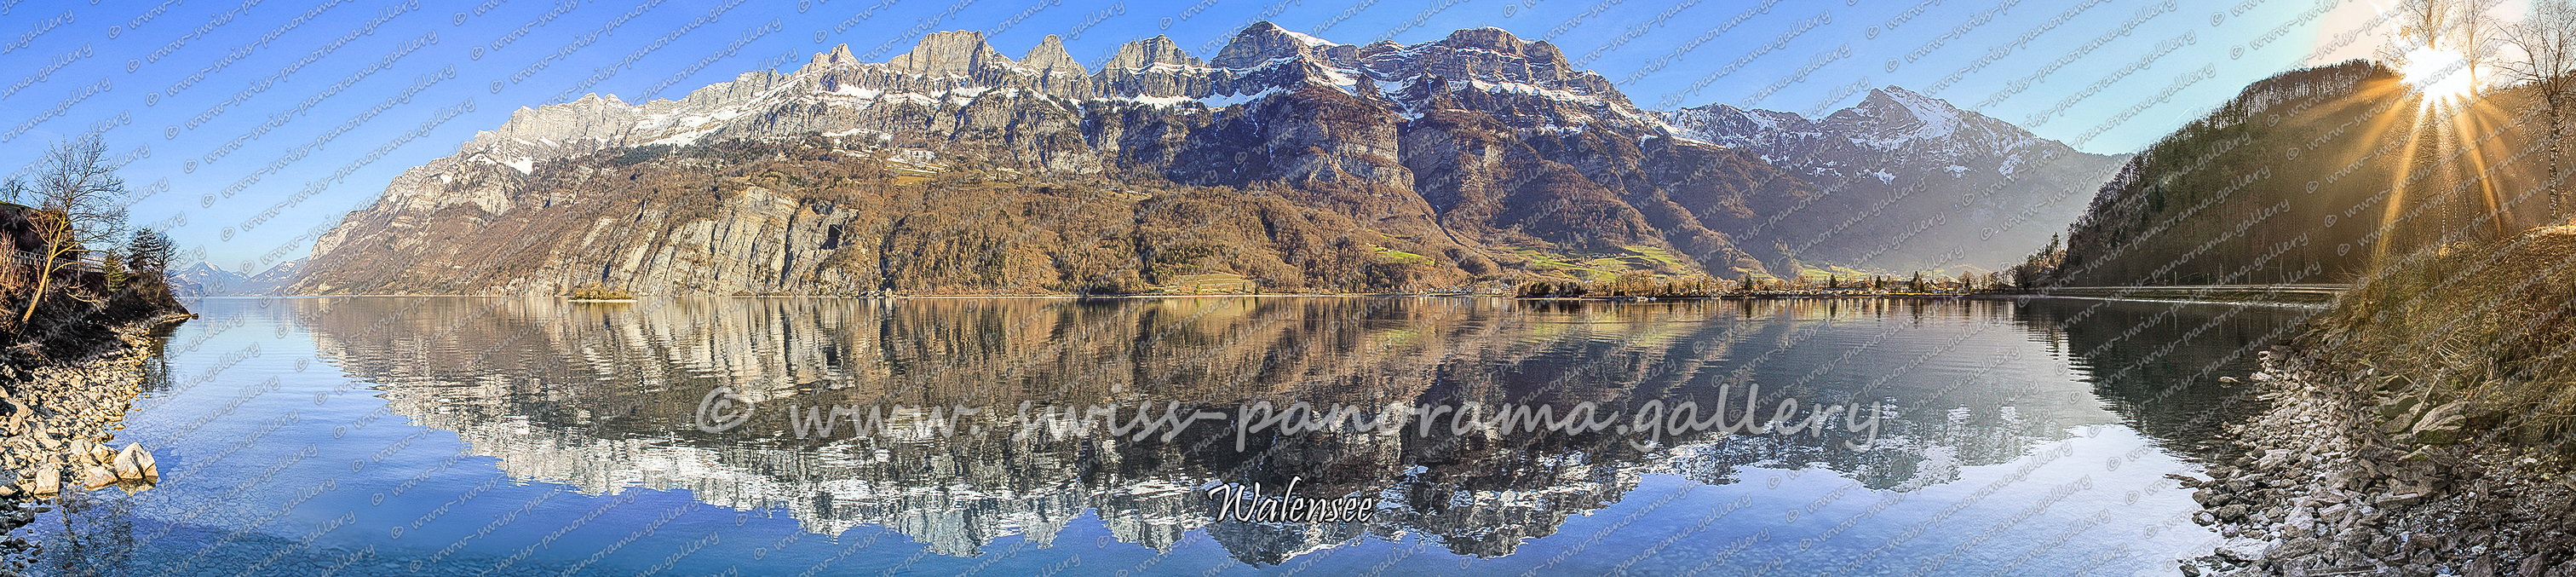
[(249, 126)]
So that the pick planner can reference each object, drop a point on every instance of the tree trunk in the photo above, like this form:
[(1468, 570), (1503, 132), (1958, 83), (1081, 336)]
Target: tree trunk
[(2550, 100), (2452, 227), (44, 279)]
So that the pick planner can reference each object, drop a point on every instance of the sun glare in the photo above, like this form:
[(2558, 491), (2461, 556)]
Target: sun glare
[(2439, 74)]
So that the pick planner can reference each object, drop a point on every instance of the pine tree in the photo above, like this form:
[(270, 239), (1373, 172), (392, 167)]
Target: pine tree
[(149, 251), (113, 267)]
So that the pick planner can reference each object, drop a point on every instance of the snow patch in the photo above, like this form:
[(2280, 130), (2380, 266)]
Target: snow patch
[(1308, 40), (1391, 86), (683, 139), (1524, 88), (1159, 101), (1936, 115), (1214, 101)]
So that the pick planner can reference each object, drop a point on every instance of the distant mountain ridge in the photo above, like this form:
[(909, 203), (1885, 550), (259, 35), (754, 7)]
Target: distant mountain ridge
[(1287, 160), (1876, 161), (201, 279)]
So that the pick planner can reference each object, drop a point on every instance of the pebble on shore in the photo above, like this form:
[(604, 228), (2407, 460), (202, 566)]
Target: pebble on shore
[(57, 423), (2322, 488)]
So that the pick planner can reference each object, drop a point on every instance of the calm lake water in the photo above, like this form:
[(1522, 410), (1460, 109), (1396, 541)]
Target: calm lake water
[(466, 436)]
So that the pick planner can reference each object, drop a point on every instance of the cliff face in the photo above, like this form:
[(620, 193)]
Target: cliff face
[(1479, 157)]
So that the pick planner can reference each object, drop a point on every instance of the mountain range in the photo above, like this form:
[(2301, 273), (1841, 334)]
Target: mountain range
[(204, 280), (1285, 162)]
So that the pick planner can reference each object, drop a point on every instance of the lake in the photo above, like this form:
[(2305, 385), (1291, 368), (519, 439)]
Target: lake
[(1032, 437)]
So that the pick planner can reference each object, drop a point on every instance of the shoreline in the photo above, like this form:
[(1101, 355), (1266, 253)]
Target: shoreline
[(1765, 296), (2319, 488), (59, 424)]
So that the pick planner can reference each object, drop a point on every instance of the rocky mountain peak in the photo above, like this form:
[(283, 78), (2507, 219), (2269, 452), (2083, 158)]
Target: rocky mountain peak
[(1897, 111), (1049, 55), (1148, 52), (591, 116), (1263, 42), (961, 52), (1486, 38), (837, 56), (1918, 154)]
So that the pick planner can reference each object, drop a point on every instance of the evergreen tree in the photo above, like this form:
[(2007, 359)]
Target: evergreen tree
[(149, 251)]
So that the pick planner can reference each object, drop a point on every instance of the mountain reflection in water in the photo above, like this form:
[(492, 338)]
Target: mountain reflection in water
[(603, 397)]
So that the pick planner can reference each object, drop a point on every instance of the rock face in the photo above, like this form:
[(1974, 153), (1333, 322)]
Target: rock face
[(1479, 157), (1883, 167)]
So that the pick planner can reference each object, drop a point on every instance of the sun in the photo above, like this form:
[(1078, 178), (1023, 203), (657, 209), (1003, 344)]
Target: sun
[(2437, 74)]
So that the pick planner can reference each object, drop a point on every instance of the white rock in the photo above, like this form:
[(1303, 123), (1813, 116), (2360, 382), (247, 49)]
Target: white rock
[(94, 477), (128, 466), (49, 479)]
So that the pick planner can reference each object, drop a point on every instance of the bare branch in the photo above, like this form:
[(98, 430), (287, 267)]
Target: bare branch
[(77, 212)]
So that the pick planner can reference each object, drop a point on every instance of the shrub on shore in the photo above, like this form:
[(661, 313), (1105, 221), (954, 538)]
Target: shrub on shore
[(600, 293)]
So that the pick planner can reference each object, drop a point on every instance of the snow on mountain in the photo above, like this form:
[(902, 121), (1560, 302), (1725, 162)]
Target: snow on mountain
[(1480, 140), (1902, 153), (201, 280), (833, 91)]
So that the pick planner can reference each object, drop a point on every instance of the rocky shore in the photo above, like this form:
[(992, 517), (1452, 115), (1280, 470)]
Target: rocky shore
[(58, 424), (2323, 486)]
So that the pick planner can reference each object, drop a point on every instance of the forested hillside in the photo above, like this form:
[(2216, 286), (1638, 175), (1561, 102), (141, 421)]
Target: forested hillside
[(2308, 176)]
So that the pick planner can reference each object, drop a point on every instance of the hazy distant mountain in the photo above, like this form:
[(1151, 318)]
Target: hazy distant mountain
[(202, 279), (1906, 182), (1287, 160)]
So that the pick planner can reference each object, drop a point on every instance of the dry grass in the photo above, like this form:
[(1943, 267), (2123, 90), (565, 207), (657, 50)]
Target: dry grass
[(2491, 322), (600, 293)]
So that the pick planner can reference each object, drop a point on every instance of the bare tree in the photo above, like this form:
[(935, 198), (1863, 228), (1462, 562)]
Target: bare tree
[(76, 207), (2474, 33), (2546, 43), (2424, 24)]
